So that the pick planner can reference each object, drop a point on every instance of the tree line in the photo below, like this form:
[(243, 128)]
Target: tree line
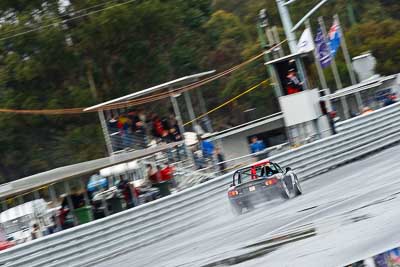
[(80, 52)]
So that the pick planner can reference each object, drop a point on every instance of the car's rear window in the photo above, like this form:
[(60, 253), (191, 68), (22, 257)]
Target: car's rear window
[(249, 174)]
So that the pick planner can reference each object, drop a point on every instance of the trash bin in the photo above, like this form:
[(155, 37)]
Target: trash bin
[(164, 188), (84, 214), (115, 203)]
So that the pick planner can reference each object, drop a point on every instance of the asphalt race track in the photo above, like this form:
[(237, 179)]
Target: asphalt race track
[(345, 215)]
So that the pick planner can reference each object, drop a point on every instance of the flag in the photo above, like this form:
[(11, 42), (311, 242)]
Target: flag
[(395, 256), (306, 43), (323, 50), (334, 37)]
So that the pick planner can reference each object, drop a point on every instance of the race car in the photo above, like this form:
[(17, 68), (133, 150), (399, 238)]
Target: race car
[(261, 182)]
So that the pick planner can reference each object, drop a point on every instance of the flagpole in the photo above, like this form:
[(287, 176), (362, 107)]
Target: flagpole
[(335, 71), (346, 55), (320, 71)]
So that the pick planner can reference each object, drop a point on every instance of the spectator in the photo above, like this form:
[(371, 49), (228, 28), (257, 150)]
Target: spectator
[(123, 126), (158, 129), (138, 129), (198, 160), (257, 146), (331, 120), (152, 174), (112, 124), (389, 100), (207, 147), (175, 135), (367, 110), (167, 173), (53, 227), (113, 130), (125, 187), (144, 184), (142, 115), (221, 160), (36, 233), (77, 199), (173, 124), (294, 85), (166, 137), (165, 123)]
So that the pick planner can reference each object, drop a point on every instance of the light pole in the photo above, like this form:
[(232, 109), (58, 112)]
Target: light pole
[(287, 25)]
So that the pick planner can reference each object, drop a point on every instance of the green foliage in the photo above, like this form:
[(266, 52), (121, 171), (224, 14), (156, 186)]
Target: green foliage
[(120, 50)]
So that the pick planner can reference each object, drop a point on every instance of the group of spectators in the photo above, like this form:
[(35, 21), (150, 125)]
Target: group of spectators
[(135, 128)]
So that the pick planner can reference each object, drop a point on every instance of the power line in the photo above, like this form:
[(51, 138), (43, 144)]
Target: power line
[(142, 100), (227, 102), (68, 13), (66, 20)]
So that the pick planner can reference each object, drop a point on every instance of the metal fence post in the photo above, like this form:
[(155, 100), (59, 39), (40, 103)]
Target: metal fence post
[(69, 200), (53, 198)]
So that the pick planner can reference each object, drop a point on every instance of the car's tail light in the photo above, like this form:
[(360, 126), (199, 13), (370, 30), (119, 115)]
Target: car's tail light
[(233, 193), (271, 181)]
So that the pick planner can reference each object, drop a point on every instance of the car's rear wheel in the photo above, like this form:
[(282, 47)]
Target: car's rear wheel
[(297, 187), (284, 190)]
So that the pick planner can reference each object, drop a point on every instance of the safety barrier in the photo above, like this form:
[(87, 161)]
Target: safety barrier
[(87, 244)]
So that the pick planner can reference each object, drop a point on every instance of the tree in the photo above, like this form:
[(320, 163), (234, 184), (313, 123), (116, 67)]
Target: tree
[(70, 61)]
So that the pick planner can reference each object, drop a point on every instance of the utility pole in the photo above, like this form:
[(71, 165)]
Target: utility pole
[(262, 27), (277, 41), (350, 11)]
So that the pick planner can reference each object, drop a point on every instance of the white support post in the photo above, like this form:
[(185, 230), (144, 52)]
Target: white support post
[(106, 134)]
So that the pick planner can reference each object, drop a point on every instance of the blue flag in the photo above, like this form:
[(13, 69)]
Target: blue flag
[(323, 50), (334, 37)]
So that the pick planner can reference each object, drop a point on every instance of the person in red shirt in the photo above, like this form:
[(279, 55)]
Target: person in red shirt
[(294, 85), (167, 173), (158, 128)]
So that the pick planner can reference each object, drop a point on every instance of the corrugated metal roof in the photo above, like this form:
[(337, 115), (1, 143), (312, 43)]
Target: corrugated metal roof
[(153, 89)]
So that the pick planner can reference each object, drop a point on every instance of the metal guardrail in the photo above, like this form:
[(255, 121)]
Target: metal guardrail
[(105, 238)]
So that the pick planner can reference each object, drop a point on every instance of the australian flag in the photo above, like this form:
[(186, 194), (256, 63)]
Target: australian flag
[(334, 37), (323, 50)]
